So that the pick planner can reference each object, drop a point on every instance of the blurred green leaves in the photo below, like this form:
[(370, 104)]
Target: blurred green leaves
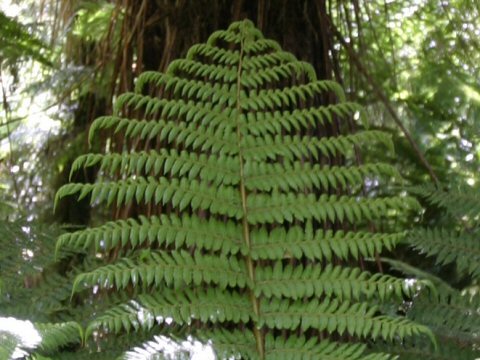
[(17, 43), (92, 22)]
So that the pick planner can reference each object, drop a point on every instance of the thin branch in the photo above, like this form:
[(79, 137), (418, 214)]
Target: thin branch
[(6, 109)]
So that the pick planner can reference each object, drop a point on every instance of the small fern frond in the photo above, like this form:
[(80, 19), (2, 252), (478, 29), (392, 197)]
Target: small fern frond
[(225, 343), (455, 320), (448, 246), (55, 336), (263, 123), (452, 316), (198, 137), (356, 319), (459, 202)]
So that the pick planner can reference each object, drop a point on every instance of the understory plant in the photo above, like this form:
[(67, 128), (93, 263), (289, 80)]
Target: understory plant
[(34, 293), (448, 246), (242, 214)]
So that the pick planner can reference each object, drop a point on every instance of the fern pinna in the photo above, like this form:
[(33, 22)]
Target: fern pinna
[(242, 209)]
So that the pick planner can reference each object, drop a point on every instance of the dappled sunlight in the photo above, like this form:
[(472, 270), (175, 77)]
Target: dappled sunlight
[(171, 349), (28, 337)]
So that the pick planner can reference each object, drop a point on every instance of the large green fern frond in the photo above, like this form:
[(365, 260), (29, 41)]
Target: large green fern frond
[(248, 206)]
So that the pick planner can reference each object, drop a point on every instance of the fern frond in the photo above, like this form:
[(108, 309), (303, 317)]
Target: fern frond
[(452, 316), (232, 344), (292, 96), (188, 135), (455, 320), (220, 169), (461, 202), (196, 89), (45, 337), (235, 224), (447, 247), (196, 69), (55, 336)]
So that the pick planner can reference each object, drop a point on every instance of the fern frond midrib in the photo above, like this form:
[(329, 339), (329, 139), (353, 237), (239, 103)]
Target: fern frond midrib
[(259, 336)]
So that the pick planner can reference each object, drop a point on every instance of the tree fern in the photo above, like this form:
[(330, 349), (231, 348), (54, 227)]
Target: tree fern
[(246, 218)]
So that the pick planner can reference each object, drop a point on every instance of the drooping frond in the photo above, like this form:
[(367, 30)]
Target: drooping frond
[(454, 316), (460, 202), (245, 204), (449, 246), (454, 245), (451, 312), (446, 350)]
